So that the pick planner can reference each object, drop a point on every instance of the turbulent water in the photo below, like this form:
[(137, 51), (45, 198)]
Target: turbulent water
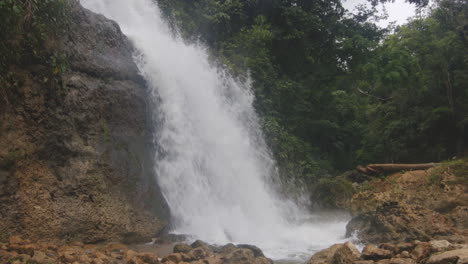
[(213, 166)]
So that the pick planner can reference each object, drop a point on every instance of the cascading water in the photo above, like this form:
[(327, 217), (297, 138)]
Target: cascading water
[(214, 168)]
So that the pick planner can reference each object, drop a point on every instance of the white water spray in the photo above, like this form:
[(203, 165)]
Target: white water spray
[(214, 168)]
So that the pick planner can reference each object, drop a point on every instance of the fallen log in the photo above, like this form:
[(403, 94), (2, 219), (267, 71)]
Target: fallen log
[(378, 168)]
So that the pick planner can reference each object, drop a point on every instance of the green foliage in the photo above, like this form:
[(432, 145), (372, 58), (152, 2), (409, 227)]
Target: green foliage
[(422, 68), (24, 27), (460, 169), (457, 167), (331, 192)]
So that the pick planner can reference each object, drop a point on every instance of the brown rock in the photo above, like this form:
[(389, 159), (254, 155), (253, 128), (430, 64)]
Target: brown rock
[(346, 254), (77, 244), (40, 258), (68, 257), (198, 253), (117, 246), (258, 260), (70, 249), (130, 253), (324, 256), (201, 244), (23, 249), (15, 240), (405, 246), (402, 261), (371, 252), (6, 254), (404, 254), (51, 253), (97, 261), (181, 248), (136, 260), (239, 256), (363, 262), (177, 257), (24, 257), (390, 247), (214, 259), (257, 251), (439, 245), (100, 255), (421, 251), (459, 256), (149, 258), (84, 259), (228, 248), (383, 261)]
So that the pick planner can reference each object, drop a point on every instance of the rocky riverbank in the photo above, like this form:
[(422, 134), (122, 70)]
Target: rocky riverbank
[(432, 252), (414, 205), (19, 251), (408, 217)]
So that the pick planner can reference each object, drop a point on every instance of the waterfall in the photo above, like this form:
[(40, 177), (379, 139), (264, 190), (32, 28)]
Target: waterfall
[(213, 167)]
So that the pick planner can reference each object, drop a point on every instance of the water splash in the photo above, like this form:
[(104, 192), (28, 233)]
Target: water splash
[(213, 167)]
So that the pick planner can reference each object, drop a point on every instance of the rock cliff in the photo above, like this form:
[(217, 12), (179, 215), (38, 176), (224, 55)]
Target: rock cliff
[(76, 151)]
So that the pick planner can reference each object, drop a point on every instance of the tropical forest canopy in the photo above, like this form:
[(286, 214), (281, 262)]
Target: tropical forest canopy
[(335, 90)]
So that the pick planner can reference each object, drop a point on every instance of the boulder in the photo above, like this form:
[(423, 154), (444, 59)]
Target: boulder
[(364, 262), (257, 251), (202, 244), (228, 248), (181, 248), (440, 245), (324, 256), (458, 256), (346, 254), (404, 254), (404, 246), (40, 258), (371, 252), (148, 258), (177, 257), (100, 261), (402, 261), (198, 253), (244, 255), (421, 251), (388, 246)]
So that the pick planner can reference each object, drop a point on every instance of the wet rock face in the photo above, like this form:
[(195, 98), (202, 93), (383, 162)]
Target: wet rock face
[(76, 161), (97, 47), (394, 222)]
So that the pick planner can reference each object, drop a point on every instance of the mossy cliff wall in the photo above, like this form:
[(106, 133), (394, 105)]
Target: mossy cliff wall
[(76, 140)]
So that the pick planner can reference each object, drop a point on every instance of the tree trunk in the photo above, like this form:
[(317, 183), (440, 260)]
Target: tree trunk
[(378, 168)]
